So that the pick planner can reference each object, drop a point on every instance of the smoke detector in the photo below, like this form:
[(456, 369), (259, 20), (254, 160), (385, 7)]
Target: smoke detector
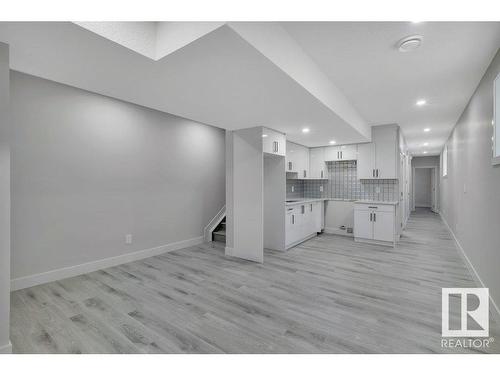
[(410, 43)]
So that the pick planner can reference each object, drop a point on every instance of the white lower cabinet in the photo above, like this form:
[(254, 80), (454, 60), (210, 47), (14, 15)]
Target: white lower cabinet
[(375, 223), (303, 221)]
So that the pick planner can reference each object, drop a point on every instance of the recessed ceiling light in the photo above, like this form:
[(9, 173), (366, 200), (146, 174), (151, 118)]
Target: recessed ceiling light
[(427, 130), (332, 142), (425, 152), (421, 102), (264, 135), (305, 130), (410, 43), (426, 144)]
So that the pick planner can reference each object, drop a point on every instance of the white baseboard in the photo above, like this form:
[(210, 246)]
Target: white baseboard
[(6, 349), (494, 307), (63, 273)]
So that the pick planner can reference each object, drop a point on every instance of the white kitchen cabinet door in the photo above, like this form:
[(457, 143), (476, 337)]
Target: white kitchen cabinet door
[(292, 155), (302, 161), (386, 152), (332, 153), (318, 213), (363, 225), (348, 152), (317, 165), (273, 142), (366, 161), (383, 226)]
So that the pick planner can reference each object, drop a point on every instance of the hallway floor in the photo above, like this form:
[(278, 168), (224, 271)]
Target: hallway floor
[(328, 295)]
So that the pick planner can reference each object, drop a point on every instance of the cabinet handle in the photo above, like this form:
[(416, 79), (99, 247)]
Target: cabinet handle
[(373, 172), (372, 207), (293, 219), (374, 216), (321, 174), (311, 208), (341, 155), (302, 209), (377, 172), (371, 216), (305, 173), (289, 165)]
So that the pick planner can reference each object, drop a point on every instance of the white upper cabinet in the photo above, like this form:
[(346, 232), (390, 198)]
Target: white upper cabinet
[(273, 142), (386, 151), (379, 159), (297, 159), (348, 152), (317, 165), (339, 153)]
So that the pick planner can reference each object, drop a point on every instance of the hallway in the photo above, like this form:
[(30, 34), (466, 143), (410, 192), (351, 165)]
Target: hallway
[(328, 295)]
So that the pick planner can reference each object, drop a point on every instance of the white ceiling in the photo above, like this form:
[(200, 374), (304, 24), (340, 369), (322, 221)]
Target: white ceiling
[(333, 77), (383, 84), (218, 79)]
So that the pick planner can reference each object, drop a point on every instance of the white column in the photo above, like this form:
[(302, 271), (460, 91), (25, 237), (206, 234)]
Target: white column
[(5, 346)]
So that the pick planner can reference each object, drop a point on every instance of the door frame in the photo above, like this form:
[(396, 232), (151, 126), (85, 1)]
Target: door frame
[(435, 185)]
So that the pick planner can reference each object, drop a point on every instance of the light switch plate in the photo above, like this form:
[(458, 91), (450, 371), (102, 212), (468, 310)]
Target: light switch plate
[(293, 188), (321, 188)]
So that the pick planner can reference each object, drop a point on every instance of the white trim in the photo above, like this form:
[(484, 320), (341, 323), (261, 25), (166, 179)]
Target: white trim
[(494, 307), (6, 349), (71, 271), (495, 160)]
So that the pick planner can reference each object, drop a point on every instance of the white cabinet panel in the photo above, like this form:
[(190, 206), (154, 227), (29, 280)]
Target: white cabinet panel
[(273, 142), (348, 152), (383, 226), (332, 153), (386, 152), (317, 165), (292, 156), (363, 226), (366, 161)]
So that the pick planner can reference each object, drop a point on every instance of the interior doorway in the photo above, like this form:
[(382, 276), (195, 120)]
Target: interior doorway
[(425, 188)]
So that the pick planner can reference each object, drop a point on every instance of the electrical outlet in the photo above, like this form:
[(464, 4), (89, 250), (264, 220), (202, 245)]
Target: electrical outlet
[(128, 239), (321, 188), (293, 188), (377, 189)]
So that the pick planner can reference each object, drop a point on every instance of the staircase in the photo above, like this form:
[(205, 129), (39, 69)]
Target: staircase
[(219, 234)]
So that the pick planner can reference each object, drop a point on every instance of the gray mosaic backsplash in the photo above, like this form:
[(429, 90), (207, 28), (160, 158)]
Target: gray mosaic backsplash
[(342, 183)]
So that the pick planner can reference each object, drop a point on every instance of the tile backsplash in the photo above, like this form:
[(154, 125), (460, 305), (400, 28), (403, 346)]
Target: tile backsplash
[(342, 183)]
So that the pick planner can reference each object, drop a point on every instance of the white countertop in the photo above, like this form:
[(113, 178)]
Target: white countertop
[(389, 203), (303, 200)]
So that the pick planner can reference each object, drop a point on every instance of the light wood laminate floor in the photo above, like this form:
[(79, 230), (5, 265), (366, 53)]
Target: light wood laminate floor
[(328, 295)]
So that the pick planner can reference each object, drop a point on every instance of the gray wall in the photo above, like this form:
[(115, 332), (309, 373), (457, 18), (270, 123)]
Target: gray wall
[(423, 196), (4, 200), (88, 169), (470, 194)]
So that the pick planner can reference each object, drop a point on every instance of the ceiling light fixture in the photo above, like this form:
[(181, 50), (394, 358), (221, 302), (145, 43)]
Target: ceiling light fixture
[(421, 102), (427, 130), (264, 135), (410, 43), (332, 142), (426, 144), (425, 152), (305, 130)]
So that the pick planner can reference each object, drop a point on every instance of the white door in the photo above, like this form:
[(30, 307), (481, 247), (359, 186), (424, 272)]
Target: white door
[(302, 161), (317, 166), (383, 226), (363, 226), (332, 153), (366, 162), (386, 154), (349, 152)]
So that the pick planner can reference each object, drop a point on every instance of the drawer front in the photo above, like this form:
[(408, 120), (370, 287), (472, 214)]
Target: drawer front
[(374, 207)]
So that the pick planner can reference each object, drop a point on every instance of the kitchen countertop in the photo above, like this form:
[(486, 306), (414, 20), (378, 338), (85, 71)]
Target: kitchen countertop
[(391, 203), (304, 200)]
